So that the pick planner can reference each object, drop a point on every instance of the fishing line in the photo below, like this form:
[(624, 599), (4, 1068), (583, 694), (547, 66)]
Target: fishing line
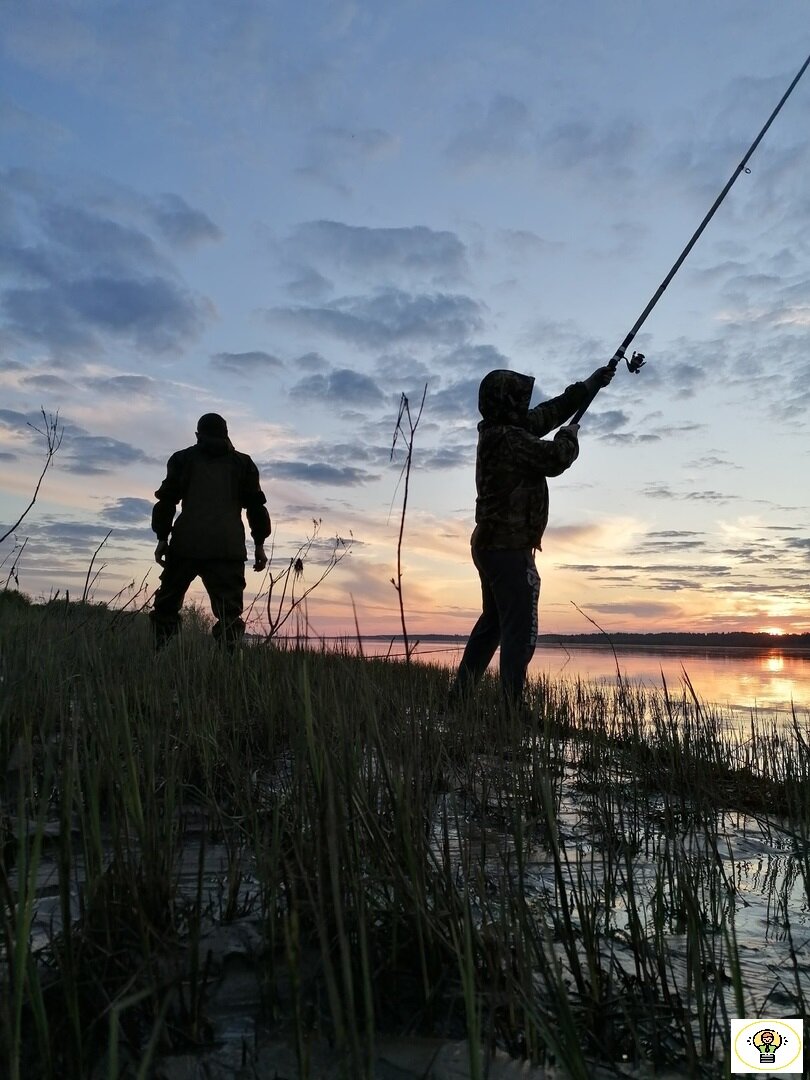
[(636, 361)]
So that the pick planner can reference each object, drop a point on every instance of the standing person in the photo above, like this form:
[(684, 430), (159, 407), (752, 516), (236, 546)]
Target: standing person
[(511, 512), (214, 483)]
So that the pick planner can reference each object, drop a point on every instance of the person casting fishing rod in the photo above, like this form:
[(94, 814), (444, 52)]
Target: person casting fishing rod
[(513, 462)]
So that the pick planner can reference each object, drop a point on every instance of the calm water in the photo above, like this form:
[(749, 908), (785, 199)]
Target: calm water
[(738, 680)]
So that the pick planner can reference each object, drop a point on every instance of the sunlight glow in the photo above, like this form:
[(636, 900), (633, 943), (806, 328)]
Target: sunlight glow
[(774, 631)]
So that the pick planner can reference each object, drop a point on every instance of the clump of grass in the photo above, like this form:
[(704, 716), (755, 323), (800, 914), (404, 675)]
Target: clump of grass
[(562, 889)]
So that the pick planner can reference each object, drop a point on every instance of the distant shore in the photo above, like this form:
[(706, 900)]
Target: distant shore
[(732, 642)]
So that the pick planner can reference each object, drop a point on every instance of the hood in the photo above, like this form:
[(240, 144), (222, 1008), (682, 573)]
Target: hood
[(504, 396)]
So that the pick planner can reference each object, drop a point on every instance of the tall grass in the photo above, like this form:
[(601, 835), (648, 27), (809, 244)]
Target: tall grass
[(562, 889)]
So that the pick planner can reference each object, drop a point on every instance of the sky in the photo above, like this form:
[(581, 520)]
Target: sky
[(293, 214)]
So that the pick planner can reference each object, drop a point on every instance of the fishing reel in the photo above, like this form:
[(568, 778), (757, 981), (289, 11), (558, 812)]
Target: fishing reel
[(635, 363)]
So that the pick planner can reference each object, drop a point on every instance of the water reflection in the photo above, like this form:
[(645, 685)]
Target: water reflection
[(739, 680), (774, 681)]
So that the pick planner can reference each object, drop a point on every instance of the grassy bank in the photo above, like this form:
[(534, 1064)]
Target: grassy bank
[(563, 889)]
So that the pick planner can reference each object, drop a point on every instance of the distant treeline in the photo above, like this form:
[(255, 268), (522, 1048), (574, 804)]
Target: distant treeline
[(735, 639)]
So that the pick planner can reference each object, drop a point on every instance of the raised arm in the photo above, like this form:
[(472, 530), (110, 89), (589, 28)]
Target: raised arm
[(550, 414)]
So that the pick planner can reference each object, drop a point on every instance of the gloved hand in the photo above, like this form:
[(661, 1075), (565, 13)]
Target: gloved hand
[(161, 551), (260, 558), (572, 428)]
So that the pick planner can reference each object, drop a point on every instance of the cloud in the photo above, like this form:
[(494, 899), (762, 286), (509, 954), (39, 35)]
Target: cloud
[(309, 284), (524, 243), (320, 473), (80, 452), (124, 385), (391, 366), (458, 401), (492, 133), (332, 151), (311, 361), (29, 424), (594, 148), (52, 538), (664, 491), (86, 234), (49, 383), (247, 363), (366, 459), (712, 461), (337, 386), (370, 252), (445, 457), (81, 270), (128, 511), (470, 359), (128, 386), (388, 317), (668, 546), (181, 224), (90, 455), (152, 313), (643, 609), (365, 451), (564, 339), (640, 437), (603, 424)]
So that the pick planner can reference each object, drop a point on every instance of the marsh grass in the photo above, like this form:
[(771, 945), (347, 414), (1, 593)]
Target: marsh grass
[(564, 888)]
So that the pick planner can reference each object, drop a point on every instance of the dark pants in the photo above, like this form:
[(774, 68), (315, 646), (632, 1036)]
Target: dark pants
[(510, 591), (224, 581)]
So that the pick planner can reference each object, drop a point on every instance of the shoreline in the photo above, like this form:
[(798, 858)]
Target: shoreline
[(546, 641)]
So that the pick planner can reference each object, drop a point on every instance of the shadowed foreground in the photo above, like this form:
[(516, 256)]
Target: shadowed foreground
[(254, 862)]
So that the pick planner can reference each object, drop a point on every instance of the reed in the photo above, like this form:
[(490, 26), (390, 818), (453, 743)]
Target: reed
[(567, 888)]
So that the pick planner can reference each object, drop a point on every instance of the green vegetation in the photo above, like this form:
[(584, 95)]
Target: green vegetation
[(562, 887)]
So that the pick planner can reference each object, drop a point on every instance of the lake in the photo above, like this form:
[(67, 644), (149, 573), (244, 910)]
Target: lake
[(738, 680)]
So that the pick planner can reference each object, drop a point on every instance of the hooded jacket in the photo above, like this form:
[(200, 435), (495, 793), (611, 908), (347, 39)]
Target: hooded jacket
[(513, 460), (214, 483)]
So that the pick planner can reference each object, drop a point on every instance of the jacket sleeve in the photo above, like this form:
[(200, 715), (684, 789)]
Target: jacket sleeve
[(550, 414), (543, 457), (168, 495), (253, 500)]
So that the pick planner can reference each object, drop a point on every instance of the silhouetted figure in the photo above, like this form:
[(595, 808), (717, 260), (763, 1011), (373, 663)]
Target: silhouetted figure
[(214, 483), (511, 513)]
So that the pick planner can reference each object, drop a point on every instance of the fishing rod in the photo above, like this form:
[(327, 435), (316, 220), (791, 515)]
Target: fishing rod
[(636, 361)]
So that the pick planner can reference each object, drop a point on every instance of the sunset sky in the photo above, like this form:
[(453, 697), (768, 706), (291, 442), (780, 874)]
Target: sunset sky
[(291, 214)]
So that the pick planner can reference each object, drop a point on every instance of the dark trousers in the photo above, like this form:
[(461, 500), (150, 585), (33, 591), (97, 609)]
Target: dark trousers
[(510, 591), (224, 581)]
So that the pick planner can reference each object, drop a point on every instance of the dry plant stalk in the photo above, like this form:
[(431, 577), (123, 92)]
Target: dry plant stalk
[(52, 434), (408, 437), (282, 601)]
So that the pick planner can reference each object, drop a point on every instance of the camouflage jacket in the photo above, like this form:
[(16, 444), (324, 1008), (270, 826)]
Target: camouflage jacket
[(214, 483), (513, 460)]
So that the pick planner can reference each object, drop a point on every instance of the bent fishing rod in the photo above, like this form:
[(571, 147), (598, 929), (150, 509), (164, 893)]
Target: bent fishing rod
[(636, 361)]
